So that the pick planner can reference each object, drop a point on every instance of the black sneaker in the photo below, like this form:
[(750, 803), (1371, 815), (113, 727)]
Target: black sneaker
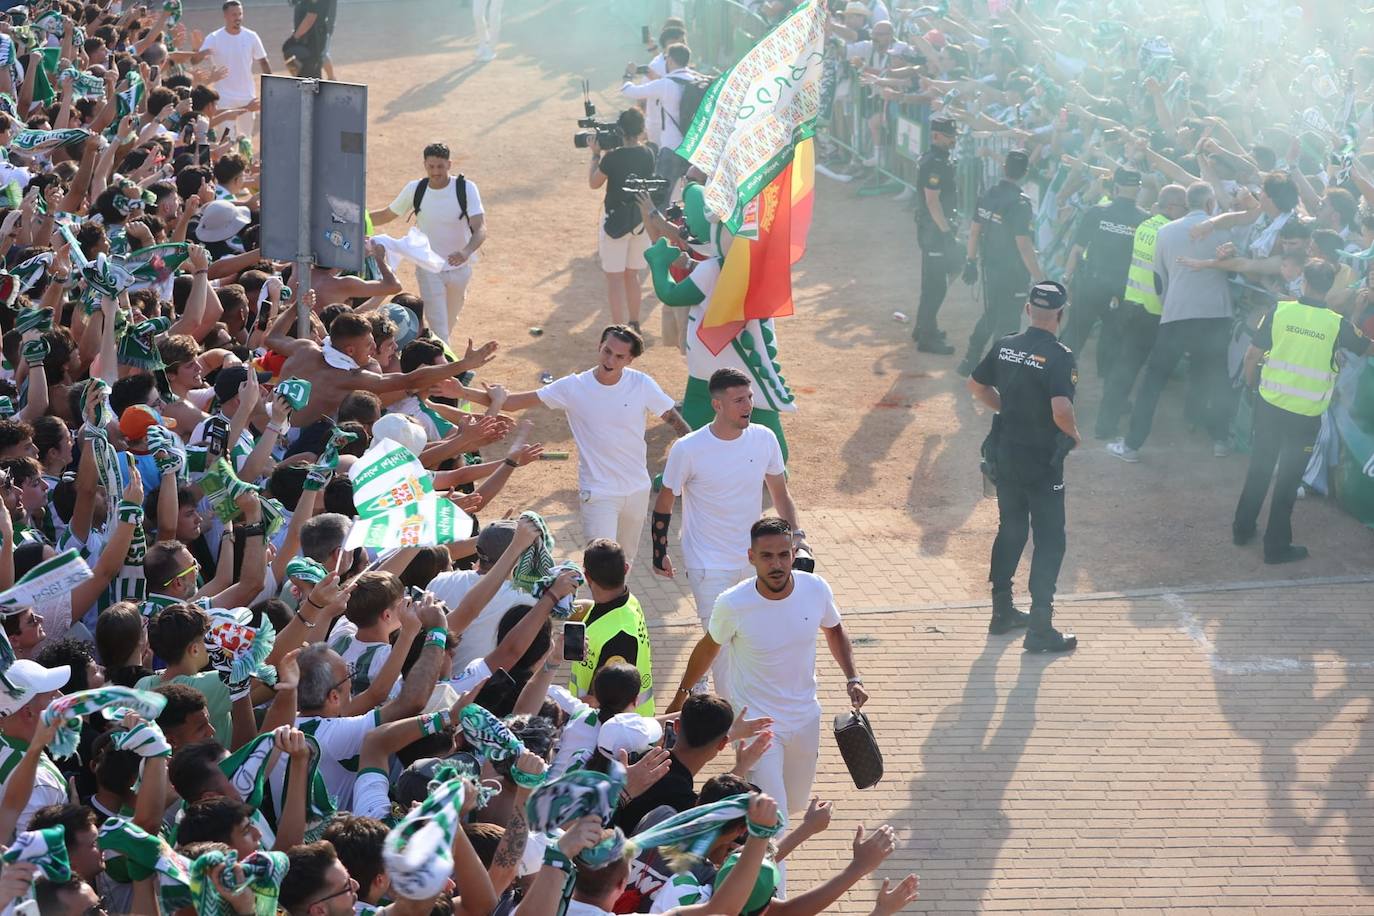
[(966, 367), (1242, 536), (1290, 554), (936, 346)]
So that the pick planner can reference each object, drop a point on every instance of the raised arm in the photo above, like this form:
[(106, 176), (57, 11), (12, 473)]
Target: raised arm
[(490, 582)]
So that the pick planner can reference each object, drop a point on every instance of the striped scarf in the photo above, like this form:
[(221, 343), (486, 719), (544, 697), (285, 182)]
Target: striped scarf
[(563, 607), (261, 871), (573, 795), (684, 839), (66, 712), (418, 851), (247, 769), (46, 848), (137, 344), (491, 739), (42, 141), (146, 855), (537, 559)]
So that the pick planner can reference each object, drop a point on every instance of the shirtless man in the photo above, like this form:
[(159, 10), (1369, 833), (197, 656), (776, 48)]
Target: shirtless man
[(330, 287), (333, 369)]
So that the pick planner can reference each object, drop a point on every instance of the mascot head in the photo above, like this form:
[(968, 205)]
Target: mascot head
[(694, 211)]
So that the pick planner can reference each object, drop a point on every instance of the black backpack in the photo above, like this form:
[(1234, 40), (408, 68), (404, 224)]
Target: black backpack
[(693, 91), (460, 186)]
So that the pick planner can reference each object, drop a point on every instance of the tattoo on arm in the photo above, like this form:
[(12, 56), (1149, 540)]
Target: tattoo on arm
[(512, 848)]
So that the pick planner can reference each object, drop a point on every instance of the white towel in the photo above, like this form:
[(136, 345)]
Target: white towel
[(413, 247), (338, 358)]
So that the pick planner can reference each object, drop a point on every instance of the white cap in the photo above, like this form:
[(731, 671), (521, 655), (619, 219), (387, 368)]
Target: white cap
[(402, 430), (629, 732), (32, 679)]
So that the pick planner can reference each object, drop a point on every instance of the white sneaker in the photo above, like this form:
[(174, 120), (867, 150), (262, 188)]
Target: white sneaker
[(871, 161), (485, 53), (1119, 450), (1221, 450)]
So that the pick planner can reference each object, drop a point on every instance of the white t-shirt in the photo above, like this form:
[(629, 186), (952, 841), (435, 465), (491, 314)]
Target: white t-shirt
[(608, 423), (721, 484), (771, 646), (479, 639), (236, 53), (341, 744), (577, 742), (367, 658), (440, 218)]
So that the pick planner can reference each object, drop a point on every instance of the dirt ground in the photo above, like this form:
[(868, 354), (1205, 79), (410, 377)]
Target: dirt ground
[(880, 427)]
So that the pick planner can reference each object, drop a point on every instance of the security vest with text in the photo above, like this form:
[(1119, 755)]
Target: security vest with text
[(1140, 279), (629, 620), (1300, 371)]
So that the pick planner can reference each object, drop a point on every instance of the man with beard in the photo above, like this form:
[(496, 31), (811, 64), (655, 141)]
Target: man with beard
[(769, 625)]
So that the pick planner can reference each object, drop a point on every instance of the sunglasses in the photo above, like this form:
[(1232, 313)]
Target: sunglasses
[(194, 567), (347, 678)]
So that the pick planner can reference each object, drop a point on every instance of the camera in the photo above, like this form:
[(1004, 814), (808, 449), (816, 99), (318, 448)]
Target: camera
[(607, 133), (673, 213), (634, 184)]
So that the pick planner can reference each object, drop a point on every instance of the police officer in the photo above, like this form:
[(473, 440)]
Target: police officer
[(1299, 343), (1099, 260), (1001, 234), (935, 234), (1137, 322), (1029, 379)]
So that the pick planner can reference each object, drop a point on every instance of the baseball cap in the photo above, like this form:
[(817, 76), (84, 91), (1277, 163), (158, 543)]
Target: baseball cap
[(137, 419), (1018, 157), (629, 732), (31, 679), (407, 325), (944, 126), (228, 382), (1126, 178), (402, 430), (764, 886), (495, 538), (1048, 294)]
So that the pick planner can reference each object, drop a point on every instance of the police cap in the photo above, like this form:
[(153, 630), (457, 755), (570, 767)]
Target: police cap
[(944, 126), (1049, 295)]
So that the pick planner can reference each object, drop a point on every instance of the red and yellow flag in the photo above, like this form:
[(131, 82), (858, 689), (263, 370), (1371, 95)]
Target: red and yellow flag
[(756, 279)]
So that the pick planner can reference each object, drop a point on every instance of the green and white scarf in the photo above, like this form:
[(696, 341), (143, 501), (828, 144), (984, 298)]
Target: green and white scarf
[(222, 488), (261, 871), (305, 569), (318, 475), (534, 563), (33, 319), (297, 394), (397, 505), (84, 85), (145, 739), (46, 582), (43, 141), (575, 794), (67, 712), (127, 99), (247, 769), (237, 650), (418, 852), (138, 346), (29, 271), (46, 848), (684, 839), (148, 855), (154, 265), (106, 457), (563, 607)]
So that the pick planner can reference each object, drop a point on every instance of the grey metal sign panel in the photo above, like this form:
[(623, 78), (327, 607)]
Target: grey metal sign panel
[(337, 169)]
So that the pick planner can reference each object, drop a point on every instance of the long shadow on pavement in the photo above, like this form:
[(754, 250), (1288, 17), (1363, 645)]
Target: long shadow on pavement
[(958, 824)]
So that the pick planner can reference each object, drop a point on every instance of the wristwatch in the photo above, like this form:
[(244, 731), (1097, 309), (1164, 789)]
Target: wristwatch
[(799, 533), (854, 680)]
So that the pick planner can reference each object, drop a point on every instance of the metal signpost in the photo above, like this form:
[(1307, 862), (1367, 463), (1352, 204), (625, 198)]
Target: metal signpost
[(314, 177)]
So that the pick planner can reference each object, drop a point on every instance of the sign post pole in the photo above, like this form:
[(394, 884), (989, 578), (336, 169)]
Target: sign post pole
[(304, 257)]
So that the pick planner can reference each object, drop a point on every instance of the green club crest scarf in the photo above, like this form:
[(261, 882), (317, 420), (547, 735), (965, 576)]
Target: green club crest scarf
[(138, 347), (296, 391), (247, 769), (148, 855), (222, 487), (33, 319), (154, 265), (490, 738), (46, 582), (31, 270), (575, 794), (43, 141), (84, 85), (305, 569), (237, 651)]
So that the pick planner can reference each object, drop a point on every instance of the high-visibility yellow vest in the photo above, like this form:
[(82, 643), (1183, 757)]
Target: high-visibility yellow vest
[(1140, 279), (628, 618), (1300, 370)]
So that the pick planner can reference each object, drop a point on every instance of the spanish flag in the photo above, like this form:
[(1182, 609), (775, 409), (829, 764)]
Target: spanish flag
[(756, 279)]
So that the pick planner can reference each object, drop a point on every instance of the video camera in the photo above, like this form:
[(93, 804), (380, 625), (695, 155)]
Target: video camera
[(607, 133), (635, 185)]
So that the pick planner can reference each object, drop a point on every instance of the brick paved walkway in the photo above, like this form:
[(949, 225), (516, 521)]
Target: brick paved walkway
[(1206, 750)]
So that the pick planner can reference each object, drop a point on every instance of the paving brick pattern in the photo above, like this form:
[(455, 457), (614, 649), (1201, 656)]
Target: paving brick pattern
[(1203, 752)]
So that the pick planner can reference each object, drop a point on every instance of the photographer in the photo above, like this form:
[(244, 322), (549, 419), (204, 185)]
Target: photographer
[(623, 239), (664, 97)]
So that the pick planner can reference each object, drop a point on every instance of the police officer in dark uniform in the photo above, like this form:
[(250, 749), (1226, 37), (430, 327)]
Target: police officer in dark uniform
[(935, 234), (1100, 259), (1029, 379), (1001, 235)]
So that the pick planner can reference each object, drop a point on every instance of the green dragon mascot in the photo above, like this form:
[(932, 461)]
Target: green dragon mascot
[(754, 350)]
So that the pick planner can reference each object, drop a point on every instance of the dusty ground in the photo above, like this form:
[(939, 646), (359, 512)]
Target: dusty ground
[(880, 426), (1205, 749)]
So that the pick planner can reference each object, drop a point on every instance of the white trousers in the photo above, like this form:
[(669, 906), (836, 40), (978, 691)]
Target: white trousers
[(787, 770), (706, 586), (618, 517), (486, 22), (444, 294)]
